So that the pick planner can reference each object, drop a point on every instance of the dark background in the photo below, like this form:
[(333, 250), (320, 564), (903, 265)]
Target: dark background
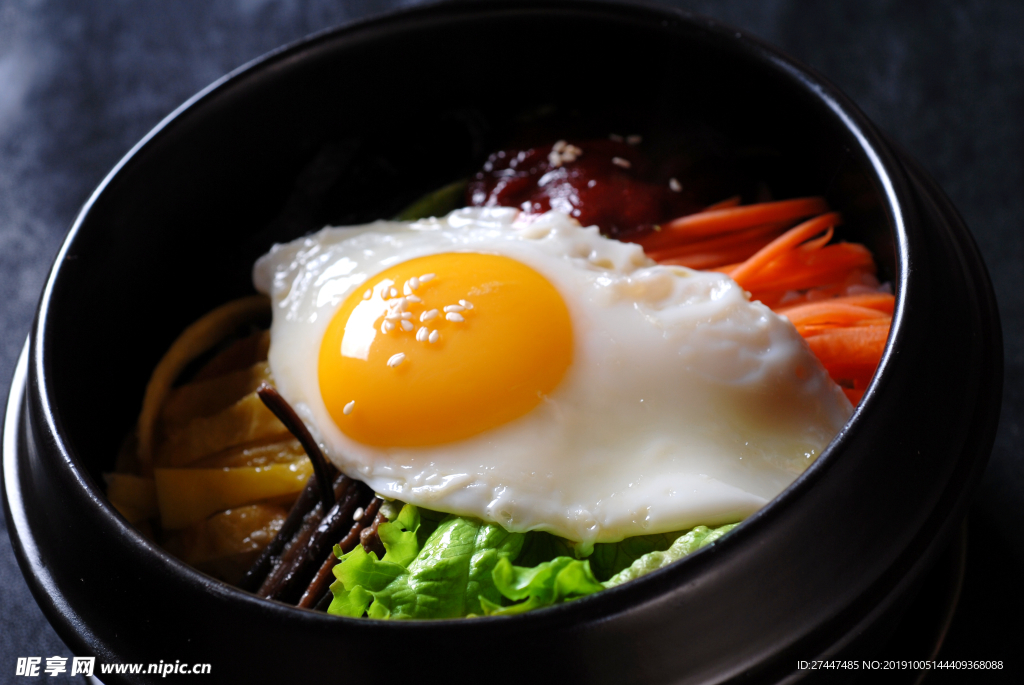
[(81, 82)]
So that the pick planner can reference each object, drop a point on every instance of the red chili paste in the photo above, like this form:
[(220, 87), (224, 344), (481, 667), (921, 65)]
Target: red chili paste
[(603, 182)]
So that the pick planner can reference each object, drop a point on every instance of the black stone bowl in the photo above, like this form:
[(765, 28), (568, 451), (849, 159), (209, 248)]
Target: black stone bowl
[(348, 126)]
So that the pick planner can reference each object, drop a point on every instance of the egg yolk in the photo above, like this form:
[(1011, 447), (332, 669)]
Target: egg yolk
[(441, 348)]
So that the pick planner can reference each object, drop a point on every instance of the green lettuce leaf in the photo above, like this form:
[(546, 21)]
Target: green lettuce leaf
[(360, 576), (551, 582), (401, 537), (443, 566), (563, 579), (700, 536), (448, 577), (610, 558)]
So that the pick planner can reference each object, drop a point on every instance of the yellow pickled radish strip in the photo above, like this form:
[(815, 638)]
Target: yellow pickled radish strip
[(247, 420), (226, 543), (133, 496), (254, 454), (194, 341), (187, 496), (207, 397), (243, 529)]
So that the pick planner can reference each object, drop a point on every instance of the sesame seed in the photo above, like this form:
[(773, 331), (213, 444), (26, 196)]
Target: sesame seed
[(393, 316), (454, 316), (619, 161), (562, 152), (368, 294), (413, 283), (396, 359), (348, 408), (426, 277), (412, 298), (400, 304), (634, 139), (675, 185), (427, 316), (406, 315), (357, 514), (615, 137), (407, 289), (434, 336), (466, 304), (384, 327), (454, 308), (393, 292), (388, 326), (407, 325), (421, 334)]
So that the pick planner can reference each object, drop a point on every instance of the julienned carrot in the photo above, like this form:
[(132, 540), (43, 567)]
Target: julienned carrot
[(880, 302), (833, 313), (763, 234), (782, 246), (883, 302), (802, 271), (850, 354), (812, 330), (819, 242), (718, 221), (710, 260)]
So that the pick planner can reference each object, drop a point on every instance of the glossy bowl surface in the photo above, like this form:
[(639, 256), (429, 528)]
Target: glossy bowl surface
[(348, 126)]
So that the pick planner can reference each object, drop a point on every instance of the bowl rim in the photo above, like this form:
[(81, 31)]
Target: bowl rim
[(891, 186)]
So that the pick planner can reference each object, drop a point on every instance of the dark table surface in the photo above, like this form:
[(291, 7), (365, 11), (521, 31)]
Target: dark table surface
[(81, 82)]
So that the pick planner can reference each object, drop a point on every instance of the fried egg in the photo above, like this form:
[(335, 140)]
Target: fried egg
[(540, 376)]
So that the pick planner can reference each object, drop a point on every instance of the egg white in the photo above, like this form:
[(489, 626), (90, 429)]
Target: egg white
[(685, 403)]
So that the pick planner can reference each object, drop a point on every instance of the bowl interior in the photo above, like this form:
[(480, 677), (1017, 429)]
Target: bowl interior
[(351, 126)]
